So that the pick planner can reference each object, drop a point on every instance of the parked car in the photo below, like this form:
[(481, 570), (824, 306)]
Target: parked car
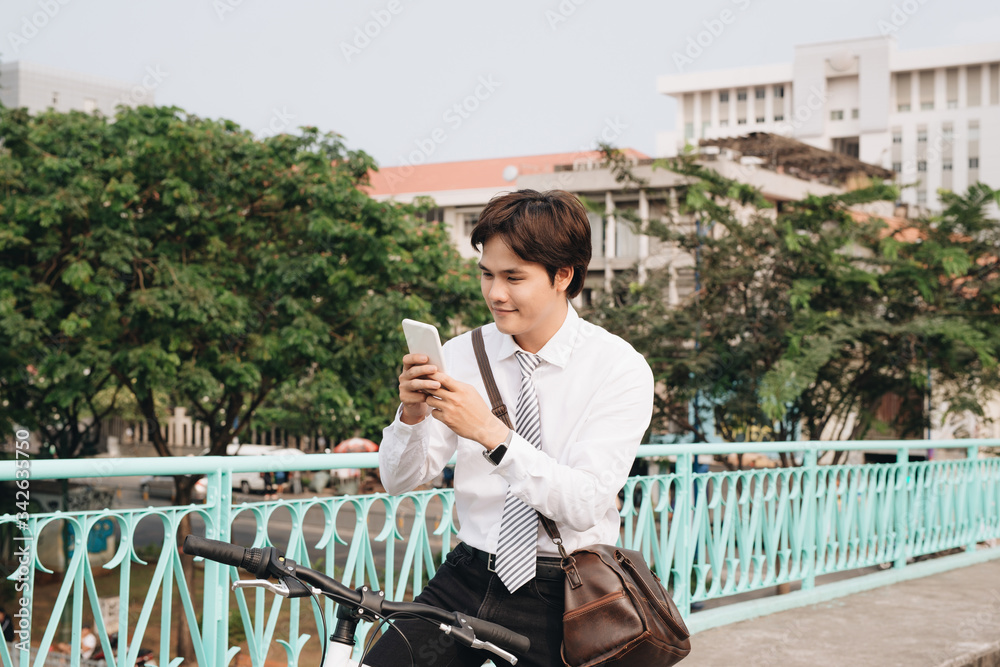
[(162, 486), (248, 482)]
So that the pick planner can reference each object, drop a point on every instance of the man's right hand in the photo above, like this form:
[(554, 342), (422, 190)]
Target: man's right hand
[(413, 382)]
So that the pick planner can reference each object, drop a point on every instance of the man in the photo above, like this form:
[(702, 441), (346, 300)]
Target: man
[(580, 399)]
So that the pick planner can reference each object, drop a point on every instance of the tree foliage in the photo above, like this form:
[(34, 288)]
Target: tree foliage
[(183, 262), (806, 319)]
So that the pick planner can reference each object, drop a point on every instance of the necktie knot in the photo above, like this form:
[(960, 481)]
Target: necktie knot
[(528, 362)]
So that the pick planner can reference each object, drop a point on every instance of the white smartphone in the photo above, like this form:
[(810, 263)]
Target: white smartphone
[(423, 338)]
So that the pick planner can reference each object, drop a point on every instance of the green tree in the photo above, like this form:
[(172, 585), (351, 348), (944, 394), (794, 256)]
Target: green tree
[(807, 318), (185, 258), (184, 262)]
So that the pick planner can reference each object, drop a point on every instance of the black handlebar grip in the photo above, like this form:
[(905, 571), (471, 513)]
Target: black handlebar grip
[(214, 550), (517, 644)]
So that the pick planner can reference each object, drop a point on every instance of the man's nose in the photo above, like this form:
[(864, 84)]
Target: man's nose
[(497, 292)]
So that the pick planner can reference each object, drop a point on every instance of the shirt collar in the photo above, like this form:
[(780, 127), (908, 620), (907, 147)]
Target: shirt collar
[(559, 348)]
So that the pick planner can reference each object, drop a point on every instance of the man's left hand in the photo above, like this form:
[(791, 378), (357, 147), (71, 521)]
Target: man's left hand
[(460, 407)]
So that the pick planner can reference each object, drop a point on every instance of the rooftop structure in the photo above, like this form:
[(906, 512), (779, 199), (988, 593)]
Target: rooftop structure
[(932, 116)]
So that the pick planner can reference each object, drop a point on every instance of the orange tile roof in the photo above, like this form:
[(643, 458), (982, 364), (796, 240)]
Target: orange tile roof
[(898, 227), (471, 174)]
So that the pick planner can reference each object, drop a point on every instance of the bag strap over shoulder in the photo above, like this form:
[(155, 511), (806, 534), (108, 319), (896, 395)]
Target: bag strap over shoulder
[(499, 409)]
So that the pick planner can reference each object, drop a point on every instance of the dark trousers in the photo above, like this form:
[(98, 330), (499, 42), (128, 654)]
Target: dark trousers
[(465, 584)]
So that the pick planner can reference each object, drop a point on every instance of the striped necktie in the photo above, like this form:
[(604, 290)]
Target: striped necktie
[(518, 544)]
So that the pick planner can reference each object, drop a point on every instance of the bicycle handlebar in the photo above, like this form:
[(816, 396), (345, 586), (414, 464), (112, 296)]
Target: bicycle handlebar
[(256, 562)]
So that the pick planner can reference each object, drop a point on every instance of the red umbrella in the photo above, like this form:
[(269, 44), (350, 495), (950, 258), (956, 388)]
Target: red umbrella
[(355, 445)]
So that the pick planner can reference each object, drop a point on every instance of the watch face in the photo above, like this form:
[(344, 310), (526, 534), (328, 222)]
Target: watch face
[(498, 453)]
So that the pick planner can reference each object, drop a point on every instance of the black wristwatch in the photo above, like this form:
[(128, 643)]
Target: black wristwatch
[(496, 455)]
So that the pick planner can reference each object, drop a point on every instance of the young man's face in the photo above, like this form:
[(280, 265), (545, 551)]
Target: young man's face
[(524, 301)]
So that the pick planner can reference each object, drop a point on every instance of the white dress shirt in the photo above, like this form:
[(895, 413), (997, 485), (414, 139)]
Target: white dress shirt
[(595, 399)]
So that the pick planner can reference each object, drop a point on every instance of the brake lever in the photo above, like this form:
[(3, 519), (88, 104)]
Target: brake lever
[(466, 636), (278, 589), (493, 648), (296, 590)]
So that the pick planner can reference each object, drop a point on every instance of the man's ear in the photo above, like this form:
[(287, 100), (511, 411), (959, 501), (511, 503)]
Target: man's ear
[(563, 278)]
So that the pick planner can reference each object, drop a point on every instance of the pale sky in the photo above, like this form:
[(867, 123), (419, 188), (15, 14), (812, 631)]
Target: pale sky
[(529, 77)]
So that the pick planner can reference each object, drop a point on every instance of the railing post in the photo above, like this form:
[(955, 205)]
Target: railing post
[(809, 518), (973, 499), (683, 506), (215, 624), (902, 500)]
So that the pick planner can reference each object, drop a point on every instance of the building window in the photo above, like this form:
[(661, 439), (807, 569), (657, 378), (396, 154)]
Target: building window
[(469, 221), (903, 107), (897, 167), (922, 135), (704, 128), (973, 132), (921, 196), (897, 137), (921, 165), (689, 130), (761, 119), (724, 122), (946, 165), (947, 134), (837, 114), (973, 163), (724, 96), (778, 117), (759, 92), (952, 104), (741, 121), (926, 106), (741, 95), (854, 114), (779, 91)]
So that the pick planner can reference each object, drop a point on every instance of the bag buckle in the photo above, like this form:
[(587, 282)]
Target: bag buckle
[(491, 563)]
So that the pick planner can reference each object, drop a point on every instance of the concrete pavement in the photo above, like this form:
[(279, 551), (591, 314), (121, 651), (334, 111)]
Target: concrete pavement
[(951, 619)]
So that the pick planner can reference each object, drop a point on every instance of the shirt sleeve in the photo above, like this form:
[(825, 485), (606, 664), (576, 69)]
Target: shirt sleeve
[(578, 491), (413, 455)]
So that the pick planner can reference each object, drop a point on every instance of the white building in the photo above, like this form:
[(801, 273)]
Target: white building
[(39, 87), (932, 116)]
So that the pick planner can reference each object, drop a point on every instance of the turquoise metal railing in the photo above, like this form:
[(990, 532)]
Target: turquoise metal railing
[(711, 535)]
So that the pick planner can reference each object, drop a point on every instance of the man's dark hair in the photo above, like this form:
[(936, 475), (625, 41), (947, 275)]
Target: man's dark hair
[(549, 228)]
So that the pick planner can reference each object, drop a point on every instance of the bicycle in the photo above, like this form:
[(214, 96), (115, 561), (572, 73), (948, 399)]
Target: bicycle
[(353, 605)]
